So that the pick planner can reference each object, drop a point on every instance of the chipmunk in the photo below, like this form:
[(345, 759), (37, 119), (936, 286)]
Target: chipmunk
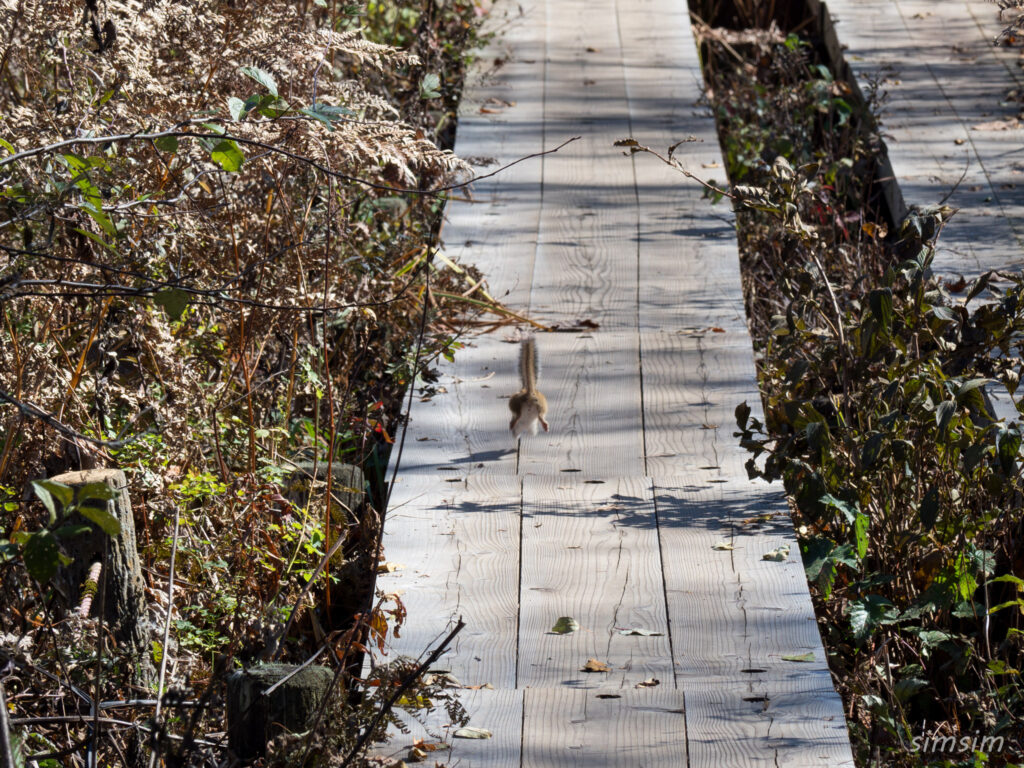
[(528, 405)]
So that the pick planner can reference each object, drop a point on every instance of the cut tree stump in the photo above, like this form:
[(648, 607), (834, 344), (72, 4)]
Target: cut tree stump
[(124, 601), (255, 718)]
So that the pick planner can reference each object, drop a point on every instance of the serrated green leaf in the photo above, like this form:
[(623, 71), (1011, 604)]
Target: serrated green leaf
[(860, 534), (96, 239), (97, 492), (905, 689), (109, 524), (41, 556), (868, 613), (944, 414), (565, 625), (262, 77), (430, 86)]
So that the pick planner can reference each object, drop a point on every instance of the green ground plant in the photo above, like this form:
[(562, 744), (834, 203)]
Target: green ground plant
[(218, 229)]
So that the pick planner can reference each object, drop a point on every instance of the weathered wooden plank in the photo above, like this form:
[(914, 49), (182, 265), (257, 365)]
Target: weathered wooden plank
[(588, 220), (693, 382), (931, 120), (498, 711), (457, 545), (590, 552), (639, 729), (462, 428), (592, 384), (680, 232), (733, 617), (759, 724), (494, 224)]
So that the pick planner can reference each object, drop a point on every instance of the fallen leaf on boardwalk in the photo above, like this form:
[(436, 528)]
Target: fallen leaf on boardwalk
[(609, 696), (709, 426), (777, 555), (723, 545), (998, 125), (427, 746), (565, 625), (389, 567), (758, 519), (804, 657), (472, 733), (588, 323), (712, 164), (481, 687), (592, 49), (716, 329), (648, 683), (640, 631), (593, 665), (416, 755)]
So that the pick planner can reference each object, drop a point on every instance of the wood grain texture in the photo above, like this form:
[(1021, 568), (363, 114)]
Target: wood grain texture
[(570, 523), (641, 729), (462, 427), (590, 552), (494, 224), (935, 119), (584, 269), (457, 545), (693, 382)]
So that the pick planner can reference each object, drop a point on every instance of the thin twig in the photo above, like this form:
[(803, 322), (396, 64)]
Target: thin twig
[(406, 684)]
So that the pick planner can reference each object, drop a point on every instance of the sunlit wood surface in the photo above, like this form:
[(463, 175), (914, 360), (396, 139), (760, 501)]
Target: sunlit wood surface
[(613, 517), (950, 117)]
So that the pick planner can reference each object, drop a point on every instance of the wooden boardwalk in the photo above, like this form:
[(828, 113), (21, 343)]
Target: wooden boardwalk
[(951, 118), (617, 516)]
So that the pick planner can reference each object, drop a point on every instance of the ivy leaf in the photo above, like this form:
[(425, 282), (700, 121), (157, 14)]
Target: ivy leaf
[(227, 155), (262, 77), (868, 614), (41, 556)]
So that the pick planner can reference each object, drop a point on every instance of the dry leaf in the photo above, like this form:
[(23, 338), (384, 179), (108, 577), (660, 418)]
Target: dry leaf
[(389, 567), (1011, 124), (801, 657), (723, 546), (593, 665), (648, 683), (472, 733), (777, 555)]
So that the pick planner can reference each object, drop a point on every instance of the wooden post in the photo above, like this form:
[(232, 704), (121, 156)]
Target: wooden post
[(254, 718), (125, 605)]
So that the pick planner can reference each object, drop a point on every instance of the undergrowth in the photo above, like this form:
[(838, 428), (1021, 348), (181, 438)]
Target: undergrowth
[(906, 490), (218, 260)]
